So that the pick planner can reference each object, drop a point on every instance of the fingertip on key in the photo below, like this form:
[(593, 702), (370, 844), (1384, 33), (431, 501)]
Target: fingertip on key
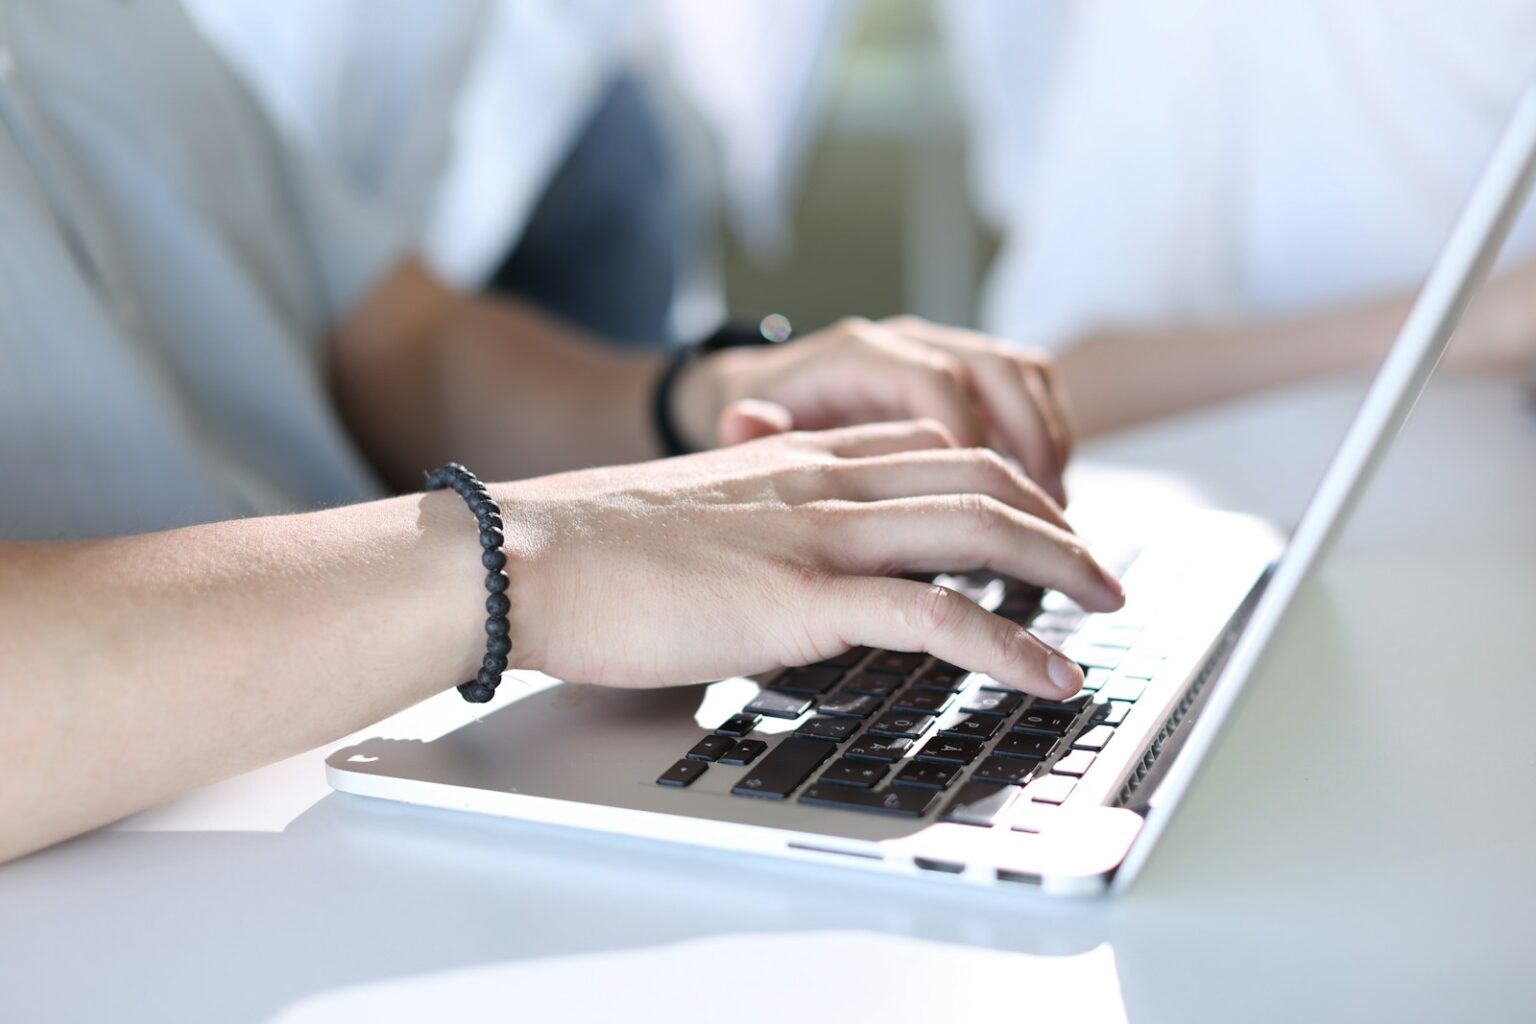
[(1116, 591), (1065, 674)]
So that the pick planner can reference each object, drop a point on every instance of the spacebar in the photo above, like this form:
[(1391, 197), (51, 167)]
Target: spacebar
[(786, 766)]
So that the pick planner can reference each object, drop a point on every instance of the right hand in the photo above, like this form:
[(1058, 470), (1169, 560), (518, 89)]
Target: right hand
[(782, 552)]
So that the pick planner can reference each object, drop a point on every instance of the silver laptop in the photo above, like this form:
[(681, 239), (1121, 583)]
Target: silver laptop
[(891, 761)]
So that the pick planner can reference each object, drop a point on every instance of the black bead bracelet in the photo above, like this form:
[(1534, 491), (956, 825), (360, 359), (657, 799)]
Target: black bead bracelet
[(498, 628)]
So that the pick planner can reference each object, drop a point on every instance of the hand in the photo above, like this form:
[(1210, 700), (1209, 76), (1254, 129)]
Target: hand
[(781, 552), (856, 371)]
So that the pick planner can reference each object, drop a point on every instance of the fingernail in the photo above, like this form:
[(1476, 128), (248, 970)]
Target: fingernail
[(1113, 584), (1064, 673)]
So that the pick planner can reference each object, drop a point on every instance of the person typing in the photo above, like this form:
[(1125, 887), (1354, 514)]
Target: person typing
[(222, 375)]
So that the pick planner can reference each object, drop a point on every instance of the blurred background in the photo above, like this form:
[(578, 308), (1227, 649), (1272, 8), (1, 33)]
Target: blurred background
[(1189, 201)]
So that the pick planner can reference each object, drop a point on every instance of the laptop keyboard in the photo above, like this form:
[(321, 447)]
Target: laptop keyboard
[(891, 732)]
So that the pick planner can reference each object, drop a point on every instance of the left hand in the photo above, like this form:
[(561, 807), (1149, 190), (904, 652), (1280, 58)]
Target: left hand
[(858, 371)]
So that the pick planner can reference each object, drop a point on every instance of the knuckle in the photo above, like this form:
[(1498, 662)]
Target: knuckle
[(1081, 559), (932, 610), (981, 511), (1015, 650), (947, 367), (992, 467), (935, 430), (834, 480), (905, 322), (852, 327), (831, 511), (802, 481), (804, 443)]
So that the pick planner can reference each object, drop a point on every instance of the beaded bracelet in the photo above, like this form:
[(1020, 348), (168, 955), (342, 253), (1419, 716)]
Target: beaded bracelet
[(498, 629)]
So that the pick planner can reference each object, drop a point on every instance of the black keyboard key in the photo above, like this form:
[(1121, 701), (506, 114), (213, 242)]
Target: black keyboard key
[(710, 748), (744, 752), (812, 680), (834, 729), (941, 675), (896, 663), (682, 774), (1032, 746), (849, 705), (786, 766), (1017, 611), (994, 702), (1075, 706), (926, 775), (1036, 719), (924, 702), (847, 659), (948, 750), (879, 748), (871, 683), (901, 723), (972, 727), (738, 725), (980, 803), (904, 801), (1011, 771), (1021, 593), (863, 774), (778, 705)]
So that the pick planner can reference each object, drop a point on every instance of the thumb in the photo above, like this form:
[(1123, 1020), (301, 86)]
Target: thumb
[(752, 418)]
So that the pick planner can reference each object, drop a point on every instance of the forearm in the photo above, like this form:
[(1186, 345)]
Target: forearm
[(1119, 378), (425, 375), (136, 668)]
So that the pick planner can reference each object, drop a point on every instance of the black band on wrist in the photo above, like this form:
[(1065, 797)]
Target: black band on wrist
[(498, 628), (770, 330)]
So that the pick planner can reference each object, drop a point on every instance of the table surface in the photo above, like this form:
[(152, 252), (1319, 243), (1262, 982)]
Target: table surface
[(1361, 845)]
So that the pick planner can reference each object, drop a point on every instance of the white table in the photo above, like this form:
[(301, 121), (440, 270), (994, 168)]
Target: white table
[(1349, 855)]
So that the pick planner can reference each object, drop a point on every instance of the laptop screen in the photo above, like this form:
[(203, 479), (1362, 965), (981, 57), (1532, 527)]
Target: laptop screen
[(1300, 430)]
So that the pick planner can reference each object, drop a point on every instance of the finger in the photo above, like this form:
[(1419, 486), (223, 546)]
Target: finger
[(885, 438), (752, 418), (1050, 376), (938, 386), (960, 533), (956, 471), (1055, 421), (1021, 414), (962, 342), (902, 615)]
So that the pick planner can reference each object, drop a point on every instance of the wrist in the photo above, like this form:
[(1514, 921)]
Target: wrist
[(702, 391), (532, 581), (702, 379)]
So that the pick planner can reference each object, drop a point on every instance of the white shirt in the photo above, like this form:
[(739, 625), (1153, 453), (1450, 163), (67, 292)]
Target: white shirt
[(169, 366), (454, 114), (1203, 159)]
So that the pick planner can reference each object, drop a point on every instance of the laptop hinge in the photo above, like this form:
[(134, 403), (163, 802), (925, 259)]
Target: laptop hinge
[(1142, 783)]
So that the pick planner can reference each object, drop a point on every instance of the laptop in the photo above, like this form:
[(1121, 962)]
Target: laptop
[(894, 762)]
